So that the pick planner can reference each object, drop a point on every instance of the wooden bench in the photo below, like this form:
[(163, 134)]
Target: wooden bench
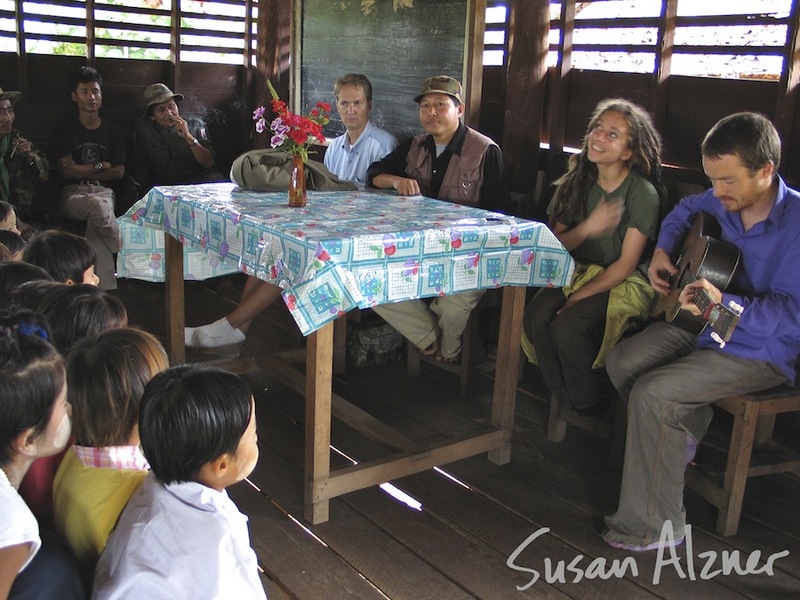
[(753, 425)]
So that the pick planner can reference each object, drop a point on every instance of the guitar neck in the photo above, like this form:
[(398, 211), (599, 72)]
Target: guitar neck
[(702, 301), (721, 319)]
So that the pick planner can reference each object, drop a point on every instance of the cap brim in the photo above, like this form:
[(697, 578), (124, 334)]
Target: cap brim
[(419, 97)]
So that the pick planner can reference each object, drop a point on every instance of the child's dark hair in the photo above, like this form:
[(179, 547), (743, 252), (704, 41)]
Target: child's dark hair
[(5, 253), (31, 378), (78, 311), (14, 242), (14, 274), (106, 377), (62, 254), (189, 416), (30, 294), (5, 209), (86, 75)]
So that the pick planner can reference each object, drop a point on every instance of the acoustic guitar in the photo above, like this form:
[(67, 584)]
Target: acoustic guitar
[(703, 255)]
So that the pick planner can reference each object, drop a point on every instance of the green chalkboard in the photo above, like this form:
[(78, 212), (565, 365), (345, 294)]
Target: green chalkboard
[(395, 49)]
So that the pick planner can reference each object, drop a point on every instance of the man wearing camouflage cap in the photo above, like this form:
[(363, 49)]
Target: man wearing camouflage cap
[(449, 162)]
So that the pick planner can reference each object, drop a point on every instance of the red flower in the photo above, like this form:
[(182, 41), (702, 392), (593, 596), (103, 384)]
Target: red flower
[(291, 132)]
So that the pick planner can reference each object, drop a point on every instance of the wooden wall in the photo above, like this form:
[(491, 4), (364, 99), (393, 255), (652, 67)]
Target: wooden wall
[(213, 92), (521, 106), (691, 105)]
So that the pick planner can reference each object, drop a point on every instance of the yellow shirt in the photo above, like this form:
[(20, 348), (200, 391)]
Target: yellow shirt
[(87, 502)]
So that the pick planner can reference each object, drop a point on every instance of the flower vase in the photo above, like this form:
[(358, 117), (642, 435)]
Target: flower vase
[(297, 182)]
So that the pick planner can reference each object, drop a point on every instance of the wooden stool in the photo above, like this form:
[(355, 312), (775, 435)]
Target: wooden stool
[(753, 424)]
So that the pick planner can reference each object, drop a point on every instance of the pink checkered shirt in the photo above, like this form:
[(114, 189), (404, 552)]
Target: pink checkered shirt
[(112, 457)]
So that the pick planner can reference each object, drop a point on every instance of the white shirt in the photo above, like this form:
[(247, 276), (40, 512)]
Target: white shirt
[(17, 523), (182, 540), (351, 162)]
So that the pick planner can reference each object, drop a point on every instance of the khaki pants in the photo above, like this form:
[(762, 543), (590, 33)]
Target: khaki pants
[(95, 205), (420, 323)]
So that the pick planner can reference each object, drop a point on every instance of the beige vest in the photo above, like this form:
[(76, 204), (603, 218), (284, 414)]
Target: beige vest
[(464, 177)]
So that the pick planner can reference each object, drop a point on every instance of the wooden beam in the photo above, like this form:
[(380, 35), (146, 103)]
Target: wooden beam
[(666, 33), (473, 62), (529, 25), (558, 94), (786, 110)]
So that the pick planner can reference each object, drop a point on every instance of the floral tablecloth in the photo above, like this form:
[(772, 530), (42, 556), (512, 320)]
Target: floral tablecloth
[(344, 249)]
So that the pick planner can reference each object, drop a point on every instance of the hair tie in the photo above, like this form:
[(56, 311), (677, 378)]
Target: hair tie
[(32, 329)]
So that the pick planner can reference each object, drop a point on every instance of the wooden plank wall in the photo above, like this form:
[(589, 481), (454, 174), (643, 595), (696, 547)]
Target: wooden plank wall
[(214, 92)]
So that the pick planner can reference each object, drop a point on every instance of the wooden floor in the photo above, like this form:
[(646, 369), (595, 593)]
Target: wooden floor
[(545, 508)]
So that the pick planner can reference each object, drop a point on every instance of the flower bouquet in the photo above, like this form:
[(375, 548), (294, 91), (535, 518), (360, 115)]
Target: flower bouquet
[(294, 134), (290, 132)]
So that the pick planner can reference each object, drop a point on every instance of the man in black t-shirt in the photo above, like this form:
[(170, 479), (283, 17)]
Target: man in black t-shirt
[(91, 156)]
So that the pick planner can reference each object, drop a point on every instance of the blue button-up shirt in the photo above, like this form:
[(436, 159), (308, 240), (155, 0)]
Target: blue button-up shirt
[(351, 162), (767, 281)]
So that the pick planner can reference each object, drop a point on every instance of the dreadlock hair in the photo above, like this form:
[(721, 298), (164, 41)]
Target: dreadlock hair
[(569, 200)]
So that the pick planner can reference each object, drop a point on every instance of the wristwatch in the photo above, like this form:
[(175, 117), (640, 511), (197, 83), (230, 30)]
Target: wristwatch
[(98, 167)]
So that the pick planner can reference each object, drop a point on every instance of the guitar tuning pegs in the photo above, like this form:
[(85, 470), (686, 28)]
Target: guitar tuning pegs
[(717, 338), (737, 308)]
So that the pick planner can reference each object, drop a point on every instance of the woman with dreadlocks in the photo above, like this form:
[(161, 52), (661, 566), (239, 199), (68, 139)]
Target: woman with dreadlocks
[(606, 211)]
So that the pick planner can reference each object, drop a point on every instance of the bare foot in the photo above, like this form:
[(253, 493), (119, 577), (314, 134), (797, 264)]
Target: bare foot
[(431, 350), (447, 359)]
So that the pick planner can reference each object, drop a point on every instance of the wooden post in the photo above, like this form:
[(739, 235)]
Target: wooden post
[(529, 25), (319, 361), (176, 306)]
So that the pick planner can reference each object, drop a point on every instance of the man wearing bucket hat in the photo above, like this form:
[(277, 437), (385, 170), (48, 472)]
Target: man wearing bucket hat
[(171, 149), (22, 162), (450, 162), (91, 159)]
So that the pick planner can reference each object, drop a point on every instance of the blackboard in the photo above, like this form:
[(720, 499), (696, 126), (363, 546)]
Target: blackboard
[(396, 50)]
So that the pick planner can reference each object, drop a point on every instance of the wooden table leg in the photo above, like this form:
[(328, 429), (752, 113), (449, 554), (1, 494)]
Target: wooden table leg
[(505, 383), (340, 344), (176, 308), (319, 366)]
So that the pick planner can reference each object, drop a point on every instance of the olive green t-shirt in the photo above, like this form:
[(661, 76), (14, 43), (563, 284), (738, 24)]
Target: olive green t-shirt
[(641, 212)]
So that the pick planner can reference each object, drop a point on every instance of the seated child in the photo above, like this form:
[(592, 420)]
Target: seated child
[(73, 312), (68, 258), (14, 274), (8, 217), (106, 376), (181, 536), (78, 311), (14, 242), (34, 414), (30, 294)]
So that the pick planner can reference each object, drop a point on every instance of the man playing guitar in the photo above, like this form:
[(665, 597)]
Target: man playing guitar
[(670, 376)]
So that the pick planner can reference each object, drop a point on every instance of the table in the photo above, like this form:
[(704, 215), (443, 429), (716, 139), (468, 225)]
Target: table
[(358, 249)]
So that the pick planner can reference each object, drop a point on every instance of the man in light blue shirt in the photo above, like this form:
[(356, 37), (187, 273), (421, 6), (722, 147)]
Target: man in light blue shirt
[(350, 155)]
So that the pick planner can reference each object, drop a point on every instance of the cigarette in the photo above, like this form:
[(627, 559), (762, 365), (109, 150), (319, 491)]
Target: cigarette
[(13, 151)]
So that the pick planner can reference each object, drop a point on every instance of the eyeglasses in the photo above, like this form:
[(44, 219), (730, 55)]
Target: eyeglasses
[(9, 112)]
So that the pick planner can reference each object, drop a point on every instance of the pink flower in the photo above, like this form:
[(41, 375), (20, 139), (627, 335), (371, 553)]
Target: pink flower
[(291, 132)]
